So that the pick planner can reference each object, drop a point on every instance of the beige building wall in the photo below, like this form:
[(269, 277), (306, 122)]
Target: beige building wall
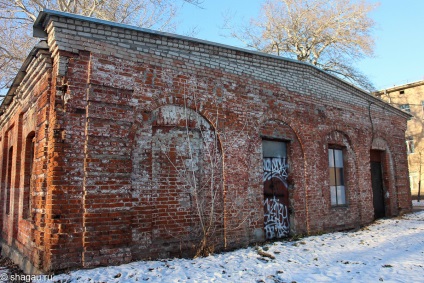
[(410, 98)]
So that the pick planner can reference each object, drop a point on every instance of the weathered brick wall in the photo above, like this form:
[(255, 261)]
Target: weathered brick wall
[(119, 169), (67, 167), (25, 119), (245, 90)]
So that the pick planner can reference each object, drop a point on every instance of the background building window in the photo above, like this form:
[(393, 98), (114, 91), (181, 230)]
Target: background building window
[(422, 107), (337, 183), (410, 148), (405, 107)]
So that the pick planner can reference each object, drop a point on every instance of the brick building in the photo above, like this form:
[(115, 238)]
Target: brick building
[(119, 143), (410, 98)]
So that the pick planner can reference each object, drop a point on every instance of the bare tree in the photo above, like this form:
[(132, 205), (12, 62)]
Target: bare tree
[(17, 17), (330, 34)]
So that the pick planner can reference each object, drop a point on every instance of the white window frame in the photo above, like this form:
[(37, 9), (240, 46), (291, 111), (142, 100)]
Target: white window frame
[(337, 178)]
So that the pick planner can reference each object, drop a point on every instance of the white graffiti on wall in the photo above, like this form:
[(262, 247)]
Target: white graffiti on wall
[(275, 167), (276, 219)]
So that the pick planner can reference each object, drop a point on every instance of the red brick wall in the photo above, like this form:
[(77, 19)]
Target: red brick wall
[(23, 235), (113, 117)]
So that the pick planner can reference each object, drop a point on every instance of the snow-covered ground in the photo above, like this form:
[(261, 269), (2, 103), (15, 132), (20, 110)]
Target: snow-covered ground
[(390, 250), (419, 204)]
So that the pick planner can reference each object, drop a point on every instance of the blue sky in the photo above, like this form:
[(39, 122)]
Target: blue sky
[(399, 35)]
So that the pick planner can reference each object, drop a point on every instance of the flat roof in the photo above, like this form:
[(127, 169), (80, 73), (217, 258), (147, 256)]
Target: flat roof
[(399, 87)]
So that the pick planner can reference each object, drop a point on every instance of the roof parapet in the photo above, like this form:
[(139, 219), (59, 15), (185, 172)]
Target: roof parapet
[(39, 31), (42, 45)]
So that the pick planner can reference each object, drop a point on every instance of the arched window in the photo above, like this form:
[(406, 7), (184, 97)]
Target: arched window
[(29, 165), (341, 168), (337, 182)]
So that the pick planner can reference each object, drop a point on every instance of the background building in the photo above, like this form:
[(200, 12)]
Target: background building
[(410, 98)]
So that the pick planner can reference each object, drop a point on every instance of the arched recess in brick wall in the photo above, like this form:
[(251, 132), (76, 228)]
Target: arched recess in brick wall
[(29, 156), (340, 140), (275, 130), (184, 200), (381, 147), (346, 192)]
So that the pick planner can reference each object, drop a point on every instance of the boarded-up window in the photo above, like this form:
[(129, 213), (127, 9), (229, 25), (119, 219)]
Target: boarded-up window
[(9, 179), (29, 167)]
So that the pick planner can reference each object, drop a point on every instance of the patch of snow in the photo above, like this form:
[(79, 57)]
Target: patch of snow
[(389, 250), (416, 203)]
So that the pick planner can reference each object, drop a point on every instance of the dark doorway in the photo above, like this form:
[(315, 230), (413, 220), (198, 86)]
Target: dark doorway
[(276, 193), (377, 184)]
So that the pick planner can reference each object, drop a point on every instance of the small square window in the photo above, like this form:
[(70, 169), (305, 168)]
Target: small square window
[(401, 92)]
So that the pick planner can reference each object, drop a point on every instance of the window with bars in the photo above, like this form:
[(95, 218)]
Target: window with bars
[(337, 181)]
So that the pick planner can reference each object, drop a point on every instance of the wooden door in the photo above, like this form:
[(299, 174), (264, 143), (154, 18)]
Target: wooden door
[(377, 184), (377, 189)]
